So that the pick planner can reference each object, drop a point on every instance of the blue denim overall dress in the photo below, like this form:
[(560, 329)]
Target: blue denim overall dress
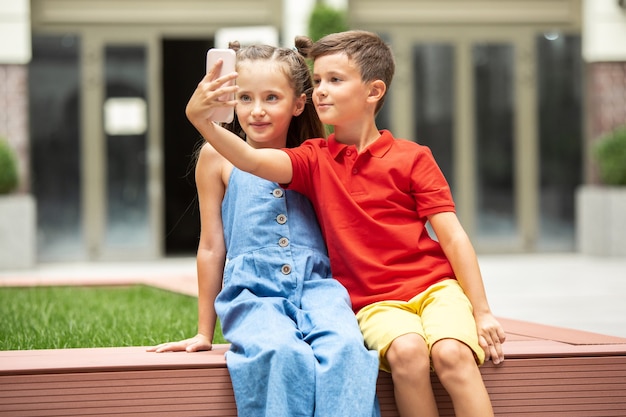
[(296, 348)]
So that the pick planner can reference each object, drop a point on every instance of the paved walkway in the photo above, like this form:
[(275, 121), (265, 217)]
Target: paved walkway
[(566, 290), (175, 274)]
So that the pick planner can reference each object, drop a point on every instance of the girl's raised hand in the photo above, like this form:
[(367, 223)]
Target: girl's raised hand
[(209, 95)]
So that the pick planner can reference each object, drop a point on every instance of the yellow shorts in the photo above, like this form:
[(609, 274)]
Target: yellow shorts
[(443, 311)]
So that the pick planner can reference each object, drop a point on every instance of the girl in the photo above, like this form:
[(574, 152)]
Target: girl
[(296, 349)]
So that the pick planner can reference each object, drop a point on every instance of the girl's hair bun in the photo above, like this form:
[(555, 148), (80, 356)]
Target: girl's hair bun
[(303, 45), (234, 45)]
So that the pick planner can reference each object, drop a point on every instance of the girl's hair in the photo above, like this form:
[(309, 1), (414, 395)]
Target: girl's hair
[(307, 124)]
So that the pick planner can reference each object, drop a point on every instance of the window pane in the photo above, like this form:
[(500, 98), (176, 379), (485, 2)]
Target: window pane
[(125, 116), (434, 102), (493, 103), (559, 69), (54, 82)]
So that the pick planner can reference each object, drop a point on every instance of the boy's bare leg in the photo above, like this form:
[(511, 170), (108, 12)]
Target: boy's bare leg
[(456, 368), (409, 361)]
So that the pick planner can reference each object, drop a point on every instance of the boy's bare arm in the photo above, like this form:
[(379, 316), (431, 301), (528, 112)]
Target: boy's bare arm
[(268, 163), (461, 255), (271, 164)]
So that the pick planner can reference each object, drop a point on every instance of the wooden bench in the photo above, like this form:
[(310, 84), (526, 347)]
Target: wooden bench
[(548, 371)]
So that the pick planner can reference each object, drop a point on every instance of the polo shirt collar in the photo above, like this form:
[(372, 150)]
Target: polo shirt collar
[(378, 148)]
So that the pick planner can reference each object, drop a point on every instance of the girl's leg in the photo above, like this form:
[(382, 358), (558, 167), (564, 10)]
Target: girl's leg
[(346, 372), (271, 368)]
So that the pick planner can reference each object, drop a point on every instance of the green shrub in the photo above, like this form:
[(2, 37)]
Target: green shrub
[(8, 168), (610, 153), (325, 20)]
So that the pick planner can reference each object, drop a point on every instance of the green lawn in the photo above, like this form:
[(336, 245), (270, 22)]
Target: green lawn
[(73, 317)]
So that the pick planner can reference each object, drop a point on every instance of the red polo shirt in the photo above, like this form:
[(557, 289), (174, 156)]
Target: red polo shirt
[(372, 210)]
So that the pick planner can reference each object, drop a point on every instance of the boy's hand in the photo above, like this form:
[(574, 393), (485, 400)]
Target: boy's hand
[(490, 337), (208, 95), (194, 344)]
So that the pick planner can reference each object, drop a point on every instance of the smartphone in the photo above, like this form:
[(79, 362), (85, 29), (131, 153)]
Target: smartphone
[(225, 114)]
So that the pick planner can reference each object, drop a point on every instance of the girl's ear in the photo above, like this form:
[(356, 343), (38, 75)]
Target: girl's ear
[(377, 90), (300, 103)]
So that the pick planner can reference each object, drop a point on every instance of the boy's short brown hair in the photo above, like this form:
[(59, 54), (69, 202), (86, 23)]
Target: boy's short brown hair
[(368, 51)]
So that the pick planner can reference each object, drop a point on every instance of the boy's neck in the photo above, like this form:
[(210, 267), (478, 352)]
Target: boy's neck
[(359, 136)]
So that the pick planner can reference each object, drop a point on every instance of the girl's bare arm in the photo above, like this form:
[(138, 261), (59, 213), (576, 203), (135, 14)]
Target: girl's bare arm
[(212, 171)]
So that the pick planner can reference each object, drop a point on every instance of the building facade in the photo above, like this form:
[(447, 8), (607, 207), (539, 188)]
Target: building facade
[(496, 88)]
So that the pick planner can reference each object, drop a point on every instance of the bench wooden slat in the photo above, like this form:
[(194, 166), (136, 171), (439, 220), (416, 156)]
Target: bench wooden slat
[(558, 334), (180, 392), (568, 374), (108, 359)]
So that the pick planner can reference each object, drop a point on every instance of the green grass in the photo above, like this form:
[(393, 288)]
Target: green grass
[(78, 317)]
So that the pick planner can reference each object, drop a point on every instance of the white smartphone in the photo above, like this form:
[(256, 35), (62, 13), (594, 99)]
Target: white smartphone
[(225, 114)]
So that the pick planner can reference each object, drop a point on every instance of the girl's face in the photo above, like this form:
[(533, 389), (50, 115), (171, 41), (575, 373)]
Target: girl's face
[(266, 103)]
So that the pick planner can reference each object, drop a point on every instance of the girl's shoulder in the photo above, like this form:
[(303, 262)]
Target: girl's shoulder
[(208, 154), (211, 164)]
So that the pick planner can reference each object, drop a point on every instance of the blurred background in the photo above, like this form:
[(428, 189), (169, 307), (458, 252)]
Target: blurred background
[(509, 94)]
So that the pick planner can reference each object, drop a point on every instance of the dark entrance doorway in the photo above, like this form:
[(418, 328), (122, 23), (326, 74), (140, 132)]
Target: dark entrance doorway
[(183, 67)]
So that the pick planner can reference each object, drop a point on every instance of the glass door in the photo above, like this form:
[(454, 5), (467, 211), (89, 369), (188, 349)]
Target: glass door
[(125, 117), (467, 108), (502, 117), (493, 112), (122, 188), (97, 188), (560, 108), (55, 148)]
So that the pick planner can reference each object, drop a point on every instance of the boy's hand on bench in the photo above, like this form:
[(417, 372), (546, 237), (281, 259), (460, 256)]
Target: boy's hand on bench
[(490, 337)]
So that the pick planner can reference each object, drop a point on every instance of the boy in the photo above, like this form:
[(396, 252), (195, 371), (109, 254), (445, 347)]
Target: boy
[(419, 302)]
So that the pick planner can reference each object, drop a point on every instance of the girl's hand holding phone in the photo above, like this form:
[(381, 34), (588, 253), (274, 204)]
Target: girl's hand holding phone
[(214, 98)]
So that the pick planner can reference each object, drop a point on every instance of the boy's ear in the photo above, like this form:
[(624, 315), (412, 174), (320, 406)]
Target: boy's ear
[(300, 103), (377, 90)]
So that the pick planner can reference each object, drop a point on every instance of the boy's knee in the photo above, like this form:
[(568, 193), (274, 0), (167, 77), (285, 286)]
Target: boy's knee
[(408, 352), (451, 354)]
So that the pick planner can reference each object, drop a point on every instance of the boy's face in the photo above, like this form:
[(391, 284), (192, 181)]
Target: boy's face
[(339, 93)]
